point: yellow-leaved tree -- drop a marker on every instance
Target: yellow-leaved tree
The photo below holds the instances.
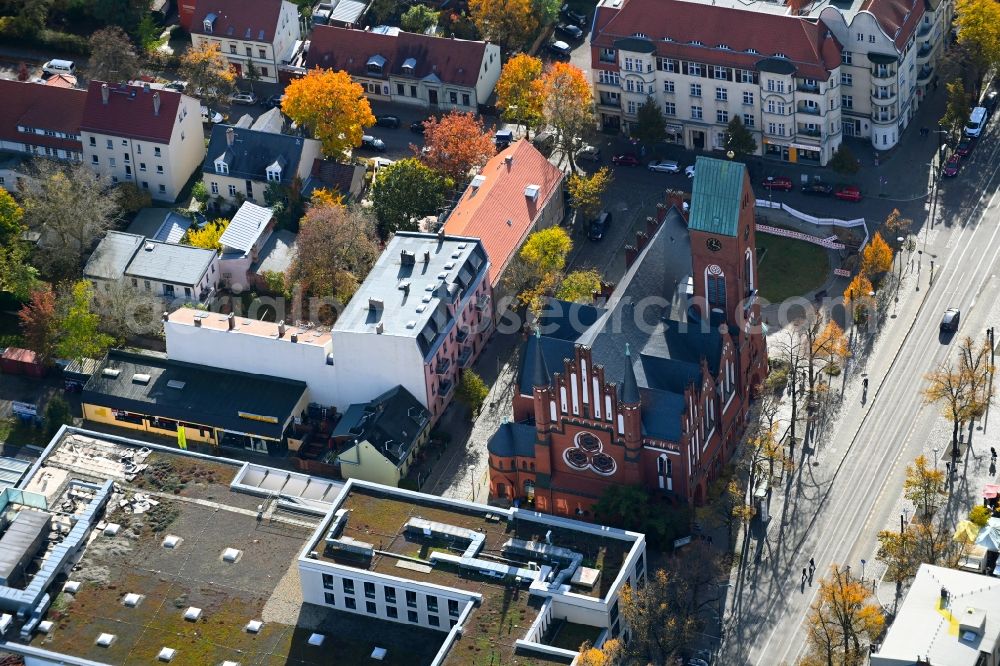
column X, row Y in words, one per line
column 332, row 107
column 207, row 70
column 842, row 622
column 857, row 297
column 519, row 91
column 541, row 261
column 585, row 191
column 876, row 258
column 569, row 105
column 208, row 236
column 322, row 196
column 508, row 23
column 978, row 23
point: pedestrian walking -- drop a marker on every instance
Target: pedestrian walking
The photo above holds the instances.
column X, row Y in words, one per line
column 812, row 564
column 864, row 384
column 804, row 574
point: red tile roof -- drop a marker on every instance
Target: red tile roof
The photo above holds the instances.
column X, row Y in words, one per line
column 247, row 20
column 62, row 81
column 808, row 44
column 129, row 112
column 41, row 107
column 498, row 212
column 455, row 61
column 899, row 18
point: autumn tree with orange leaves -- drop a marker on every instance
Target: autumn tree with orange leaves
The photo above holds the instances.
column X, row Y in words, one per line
column 876, row 258
column 508, row 23
column 205, row 68
column 519, row 91
column 455, row 144
column 332, row 107
column 857, row 297
column 842, row 622
column 569, row 105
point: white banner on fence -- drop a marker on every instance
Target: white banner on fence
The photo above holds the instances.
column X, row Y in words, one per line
column 859, row 222
column 829, row 243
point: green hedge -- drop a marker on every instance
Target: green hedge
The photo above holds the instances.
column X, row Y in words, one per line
column 54, row 40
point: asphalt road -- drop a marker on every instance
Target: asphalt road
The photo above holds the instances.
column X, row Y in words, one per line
column 838, row 500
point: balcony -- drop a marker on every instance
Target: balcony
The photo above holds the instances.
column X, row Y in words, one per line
column 609, row 102
column 883, row 118
column 443, row 366
column 883, row 73
column 924, row 29
column 465, row 357
column 483, row 303
column 462, row 335
column 884, row 98
column 804, row 131
column 444, row 388
column 925, row 73
column 812, row 88
column 810, row 110
column 924, row 53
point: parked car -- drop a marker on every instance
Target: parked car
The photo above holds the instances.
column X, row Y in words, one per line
column 570, row 30
column 848, row 193
column 599, row 227
column 626, row 159
column 990, row 101
column 274, row 101
column 210, row 116
column 560, row 49
column 950, row 168
column 778, row 183
column 588, row 153
column 245, row 98
column 387, row 121
column 178, row 86
column 664, row 166
column 573, row 15
column 964, row 147
column 818, row 188
column 371, row 143
column 503, row 138
column 417, row 127
column 689, row 171
column 950, row 320
column 545, row 141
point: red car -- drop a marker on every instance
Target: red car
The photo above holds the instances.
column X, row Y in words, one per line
column 626, row 159
column 950, row 169
column 778, row 183
column 848, row 193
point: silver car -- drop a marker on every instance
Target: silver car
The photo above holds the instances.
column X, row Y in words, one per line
column 664, row 166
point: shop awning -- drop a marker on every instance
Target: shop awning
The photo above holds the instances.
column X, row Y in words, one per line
column 990, row 491
column 966, row 532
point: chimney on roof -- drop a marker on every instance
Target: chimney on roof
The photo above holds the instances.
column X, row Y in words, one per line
column 156, row 104
column 427, row 257
column 295, row 337
column 145, row 87
column 231, row 320
column 105, row 93
column 230, row 136
column 197, row 322
column 281, row 329
column 165, row 316
column 509, row 160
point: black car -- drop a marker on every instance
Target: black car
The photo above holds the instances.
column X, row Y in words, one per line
column 503, row 138
column 950, row 320
column 560, row 49
column 599, row 227
column 387, row 121
column 818, row 188
column 990, row 102
column 418, row 127
column 570, row 30
column 274, row 101
column 573, row 15
column 371, row 143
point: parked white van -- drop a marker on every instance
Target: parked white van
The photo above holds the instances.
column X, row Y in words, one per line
column 977, row 119
column 59, row 67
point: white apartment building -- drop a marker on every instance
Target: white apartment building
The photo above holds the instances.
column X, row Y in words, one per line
column 261, row 32
column 152, row 138
column 780, row 75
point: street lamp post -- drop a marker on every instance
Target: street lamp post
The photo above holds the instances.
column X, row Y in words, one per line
column 935, row 458
column 900, row 240
column 472, row 480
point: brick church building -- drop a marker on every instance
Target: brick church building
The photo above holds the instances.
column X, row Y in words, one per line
column 653, row 386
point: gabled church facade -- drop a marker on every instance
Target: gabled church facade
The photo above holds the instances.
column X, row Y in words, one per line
column 653, row 387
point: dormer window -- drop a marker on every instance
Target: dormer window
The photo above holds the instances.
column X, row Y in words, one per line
column 409, row 66
column 696, row 42
column 208, row 23
column 780, row 55
column 221, row 166
column 274, row 174
column 752, row 51
column 724, row 47
column 375, row 64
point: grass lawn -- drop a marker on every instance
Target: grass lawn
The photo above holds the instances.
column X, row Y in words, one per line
column 789, row 267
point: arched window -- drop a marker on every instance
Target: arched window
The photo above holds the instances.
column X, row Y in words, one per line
column 748, row 271
column 532, row 466
column 715, row 287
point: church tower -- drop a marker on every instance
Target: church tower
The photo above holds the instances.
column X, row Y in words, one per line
column 724, row 260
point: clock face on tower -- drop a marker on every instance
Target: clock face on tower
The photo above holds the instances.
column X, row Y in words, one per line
column 714, row 244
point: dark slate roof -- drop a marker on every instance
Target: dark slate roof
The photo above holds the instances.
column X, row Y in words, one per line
column 392, row 423
column 539, row 371
column 715, row 198
column 630, row 388
column 173, row 264
column 160, row 224
column 252, row 152
column 649, row 313
column 112, row 255
column 209, row 396
column 513, row 439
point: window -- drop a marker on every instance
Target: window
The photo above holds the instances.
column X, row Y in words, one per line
column 187, row 291
column 126, row 157
column 413, row 91
column 846, row 57
column 390, row 594
column 135, row 284
column 846, row 79
column 350, row 603
column 370, row 590
column 215, row 188
column 777, row 108
column 163, row 188
column 721, row 94
column 861, row 36
column 138, row 149
column 668, row 86
column 145, row 283
column 348, row 586
column 432, row 603
column 392, row 612
column 109, row 144
column 263, row 71
column 327, row 578
column 159, row 169
column 607, row 55
column 274, row 175
column 693, row 69
column 629, row 64
column 262, row 53
column 93, row 141
column 847, row 101
column 401, row 90
column 695, row 90
column 608, row 78
column 433, row 620
column 412, row 616
column 748, row 98
column 720, row 73
column 232, row 49
column 466, row 101
column 748, row 119
column 772, row 128
column 112, row 162
column 453, row 97
column 721, row 116
column 871, row 39
column 249, row 52
column 232, row 191
column 93, row 159
column 630, row 107
column 411, row 599
column 716, row 291
column 370, row 607
column 142, row 166
column 746, row 76
column 453, row 607
column 669, row 109
column 696, row 112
